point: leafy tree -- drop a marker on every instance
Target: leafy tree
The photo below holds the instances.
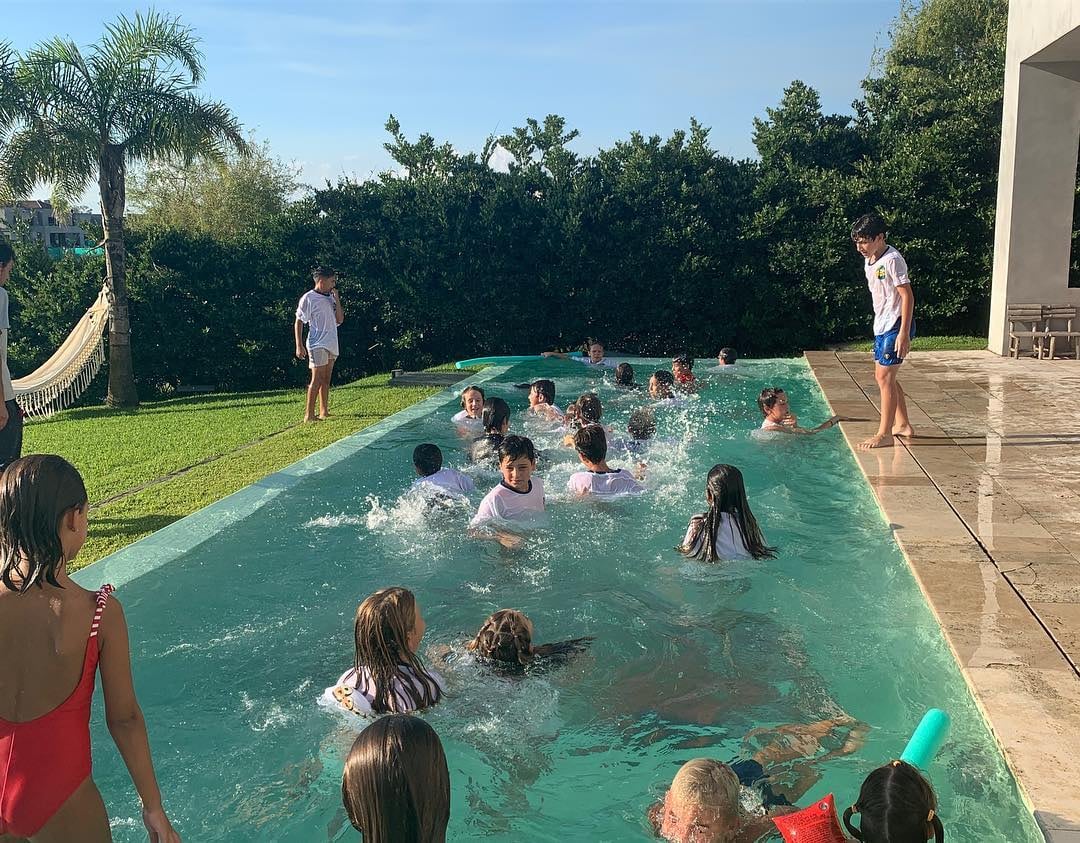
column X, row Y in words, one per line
column 229, row 196
column 68, row 117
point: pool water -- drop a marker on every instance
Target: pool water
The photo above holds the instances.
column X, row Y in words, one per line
column 234, row 639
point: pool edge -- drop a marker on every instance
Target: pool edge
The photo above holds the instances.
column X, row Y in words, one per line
column 165, row 545
column 1012, row 667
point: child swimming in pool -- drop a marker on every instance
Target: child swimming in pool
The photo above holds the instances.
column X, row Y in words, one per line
column 431, row 476
column 773, row 402
column 506, row 640
column 56, row 637
column 895, row 805
column 496, row 421
column 728, row 530
column 396, row 785
column 518, row 497
column 542, row 400
column 388, row 674
column 641, row 428
column 704, row 802
column 661, row 385
column 682, row 370
column 599, row 479
column 589, row 410
column 726, row 359
column 594, row 356
column 472, row 405
column 624, row 376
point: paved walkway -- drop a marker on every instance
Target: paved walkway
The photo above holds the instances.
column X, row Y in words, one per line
column 985, row 503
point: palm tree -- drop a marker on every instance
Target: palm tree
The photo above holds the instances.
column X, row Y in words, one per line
column 66, row 117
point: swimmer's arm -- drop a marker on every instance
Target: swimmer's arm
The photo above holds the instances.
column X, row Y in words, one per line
column 655, row 816
column 123, row 715
column 574, row 645
column 509, row 541
column 562, row 355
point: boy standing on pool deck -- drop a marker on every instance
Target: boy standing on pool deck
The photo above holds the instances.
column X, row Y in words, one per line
column 894, row 324
column 320, row 309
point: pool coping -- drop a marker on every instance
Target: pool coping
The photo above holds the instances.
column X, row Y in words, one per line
column 1026, row 689
column 170, row 542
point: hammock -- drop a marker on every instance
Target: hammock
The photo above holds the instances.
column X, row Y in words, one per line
column 60, row 380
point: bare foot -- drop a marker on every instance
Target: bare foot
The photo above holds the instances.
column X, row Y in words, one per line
column 907, row 431
column 324, row 417
column 310, row 419
column 878, row 440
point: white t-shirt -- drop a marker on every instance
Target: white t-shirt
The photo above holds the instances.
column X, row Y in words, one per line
column 729, row 542
column 587, row 361
column 447, row 480
column 505, row 504
column 883, row 276
column 463, row 419
column 618, row 481
column 318, row 312
column 5, row 374
column 363, row 690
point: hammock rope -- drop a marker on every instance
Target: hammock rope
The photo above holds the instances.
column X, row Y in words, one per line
column 60, row 380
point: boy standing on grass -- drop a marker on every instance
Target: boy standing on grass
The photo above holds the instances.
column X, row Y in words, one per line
column 894, row 324
column 320, row 309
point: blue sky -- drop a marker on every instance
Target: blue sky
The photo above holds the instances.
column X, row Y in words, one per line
column 318, row 79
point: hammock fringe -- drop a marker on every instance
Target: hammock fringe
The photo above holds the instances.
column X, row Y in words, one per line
column 58, row 383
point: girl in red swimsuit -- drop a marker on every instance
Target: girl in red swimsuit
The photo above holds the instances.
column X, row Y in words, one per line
column 54, row 635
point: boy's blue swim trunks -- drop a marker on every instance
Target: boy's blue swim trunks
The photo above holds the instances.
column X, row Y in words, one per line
column 885, row 345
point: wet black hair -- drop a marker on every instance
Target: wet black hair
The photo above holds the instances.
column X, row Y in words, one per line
column 515, row 447
column 496, row 412
column 684, row 358
column 728, row 355
column 896, row 805
column 427, row 458
column 767, row 399
column 591, row 443
column 470, row 388
column 642, row 423
column 869, row 225
column 624, row 374
column 590, row 408
column 664, row 376
column 36, row 492
column 546, row 388
column 727, row 494
column 7, row 253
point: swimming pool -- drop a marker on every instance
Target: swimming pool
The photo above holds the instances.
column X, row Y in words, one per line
column 241, row 615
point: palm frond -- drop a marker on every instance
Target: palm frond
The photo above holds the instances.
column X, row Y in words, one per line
column 133, row 46
column 10, row 96
column 55, row 77
column 186, row 127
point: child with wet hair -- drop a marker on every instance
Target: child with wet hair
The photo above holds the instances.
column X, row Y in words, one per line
column 728, row 529
column 727, row 358
column 496, row 421
column 388, row 674
column 682, row 370
column 624, row 376
column 896, row 804
column 774, row 406
column 661, row 384
column 641, row 428
column 519, row 497
column 472, row 405
column 542, row 400
column 432, row 477
column 589, row 412
column 599, row 479
column 506, row 639
column 396, row 784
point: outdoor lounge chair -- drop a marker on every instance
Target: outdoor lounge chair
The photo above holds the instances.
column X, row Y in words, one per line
column 1029, row 316
column 1061, row 313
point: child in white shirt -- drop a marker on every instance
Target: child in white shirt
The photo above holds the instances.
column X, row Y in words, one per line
column 432, row 477
column 595, row 357
column 599, row 478
column 728, row 530
column 517, row 498
column 472, row 405
column 773, row 402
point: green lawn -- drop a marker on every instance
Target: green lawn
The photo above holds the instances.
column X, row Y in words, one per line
column 926, row 344
column 213, row 445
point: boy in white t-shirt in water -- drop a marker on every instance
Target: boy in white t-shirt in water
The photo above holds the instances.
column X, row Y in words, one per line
column 517, row 498
column 427, row 460
column 894, row 324
column 320, row 309
column 542, row 400
column 599, row 479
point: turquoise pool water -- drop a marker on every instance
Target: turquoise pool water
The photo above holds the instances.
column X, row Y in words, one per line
column 234, row 638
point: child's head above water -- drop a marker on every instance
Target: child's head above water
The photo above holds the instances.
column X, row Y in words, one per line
column 624, row 375
column 773, row 402
column 541, row 392
column 896, row 805
column 43, row 508
column 427, row 459
column 702, row 804
column 387, row 632
column 496, row 416
column 505, row 637
column 591, row 444
column 595, row 350
column 682, row 365
column 660, row 384
column 727, row 356
column 396, row 785
column 590, row 409
column 725, row 492
column 472, row 401
column 517, row 462
column 642, row 423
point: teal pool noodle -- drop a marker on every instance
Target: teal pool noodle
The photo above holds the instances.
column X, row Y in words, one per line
column 502, row 361
column 927, row 739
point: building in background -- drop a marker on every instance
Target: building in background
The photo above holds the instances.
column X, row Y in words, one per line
column 54, row 231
